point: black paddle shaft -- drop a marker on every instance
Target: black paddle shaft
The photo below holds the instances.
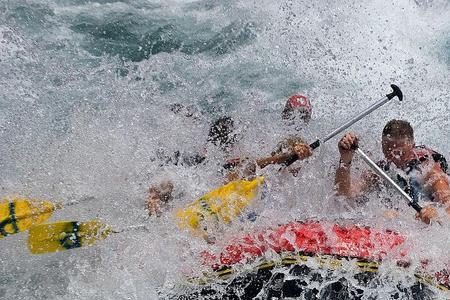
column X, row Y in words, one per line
column 395, row 93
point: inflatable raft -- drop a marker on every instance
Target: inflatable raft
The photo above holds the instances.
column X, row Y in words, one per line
column 315, row 260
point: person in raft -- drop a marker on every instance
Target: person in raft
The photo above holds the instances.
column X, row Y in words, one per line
column 221, row 134
column 297, row 111
column 419, row 170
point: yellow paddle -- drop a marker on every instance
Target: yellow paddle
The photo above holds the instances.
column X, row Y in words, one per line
column 19, row 214
column 66, row 235
column 60, row 236
column 222, row 205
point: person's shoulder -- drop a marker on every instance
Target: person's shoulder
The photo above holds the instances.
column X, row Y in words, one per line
column 423, row 151
column 430, row 159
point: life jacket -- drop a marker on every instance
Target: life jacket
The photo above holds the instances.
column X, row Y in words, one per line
column 424, row 154
column 411, row 184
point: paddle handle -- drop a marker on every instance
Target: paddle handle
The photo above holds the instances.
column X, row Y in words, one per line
column 131, row 228
column 315, row 145
column 416, row 206
column 395, row 93
column 382, row 174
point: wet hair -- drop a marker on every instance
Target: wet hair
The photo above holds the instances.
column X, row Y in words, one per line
column 221, row 132
column 398, row 129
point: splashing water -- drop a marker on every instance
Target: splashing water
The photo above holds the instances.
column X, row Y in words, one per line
column 86, row 89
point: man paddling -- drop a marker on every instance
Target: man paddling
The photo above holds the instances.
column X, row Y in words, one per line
column 297, row 111
column 419, row 170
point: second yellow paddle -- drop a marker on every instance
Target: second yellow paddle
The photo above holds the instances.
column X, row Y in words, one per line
column 66, row 235
column 60, row 236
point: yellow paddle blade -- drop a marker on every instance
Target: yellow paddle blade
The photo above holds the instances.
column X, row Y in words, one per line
column 222, row 205
column 19, row 214
column 60, row 236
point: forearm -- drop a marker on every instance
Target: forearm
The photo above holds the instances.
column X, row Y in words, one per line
column 245, row 170
column 342, row 180
column 442, row 196
column 439, row 186
column 275, row 159
column 441, row 190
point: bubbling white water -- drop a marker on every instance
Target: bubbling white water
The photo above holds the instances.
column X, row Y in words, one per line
column 76, row 124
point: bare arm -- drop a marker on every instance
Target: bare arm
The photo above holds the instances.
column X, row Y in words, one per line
column 343, row 181
column 348, row 187
column 437, row 180
column 300, row 150
column 274, row 159
column 243, row 168
column 439, row 184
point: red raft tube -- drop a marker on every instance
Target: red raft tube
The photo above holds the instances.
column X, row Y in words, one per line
column 313, row 238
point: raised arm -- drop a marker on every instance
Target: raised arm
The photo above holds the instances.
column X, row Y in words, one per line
column 345, row 184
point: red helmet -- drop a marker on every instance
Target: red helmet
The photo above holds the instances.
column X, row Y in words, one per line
column 298, row 104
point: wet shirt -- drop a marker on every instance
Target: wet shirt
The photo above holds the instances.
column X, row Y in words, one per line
column 412, row 178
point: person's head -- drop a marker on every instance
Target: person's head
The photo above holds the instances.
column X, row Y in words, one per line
column 297, row 107
column 398, row 142
column 221, row 133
